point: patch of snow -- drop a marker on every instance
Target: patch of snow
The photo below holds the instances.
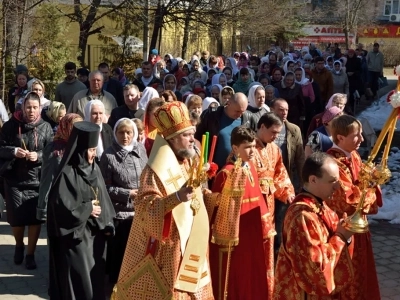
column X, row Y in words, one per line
column 391, row 191
column 378, row 113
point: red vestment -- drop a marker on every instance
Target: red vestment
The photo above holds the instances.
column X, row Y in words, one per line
column 275, row 184
column 247, row 269
column 313, row 263
column 345, row 200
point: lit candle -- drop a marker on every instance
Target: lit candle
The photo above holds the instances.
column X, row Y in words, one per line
column 213, row 145
column 206, row 148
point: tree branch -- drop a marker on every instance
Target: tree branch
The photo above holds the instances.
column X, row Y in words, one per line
column 97, row 30
column 109, row 11
column 34, row 5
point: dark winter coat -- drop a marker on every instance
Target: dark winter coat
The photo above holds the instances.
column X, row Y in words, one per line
column 211, row 118
column 22, row 180
column 139, row 83
column 353, row 65
column 116, row 89
column 294, row 97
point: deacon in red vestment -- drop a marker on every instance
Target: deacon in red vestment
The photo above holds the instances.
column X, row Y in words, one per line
column 346, row 133
column 274, row 179
column 314, row 260
column 240, row 225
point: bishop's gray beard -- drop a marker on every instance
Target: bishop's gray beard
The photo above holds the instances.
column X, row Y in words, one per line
column 186, row 153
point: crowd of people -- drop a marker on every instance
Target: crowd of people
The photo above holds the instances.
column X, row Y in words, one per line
column 118, row 170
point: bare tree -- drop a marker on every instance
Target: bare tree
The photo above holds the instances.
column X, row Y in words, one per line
column 349, row 14
column 16, row 19
column 87, row 15
column 276, row 19
column 352, row 13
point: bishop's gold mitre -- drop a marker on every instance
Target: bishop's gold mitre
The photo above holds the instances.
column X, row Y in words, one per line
column 172, row 119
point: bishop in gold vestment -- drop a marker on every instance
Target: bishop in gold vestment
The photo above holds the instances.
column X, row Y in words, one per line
column 165, row 228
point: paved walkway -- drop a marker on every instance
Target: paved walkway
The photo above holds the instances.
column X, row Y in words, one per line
column 17, row 283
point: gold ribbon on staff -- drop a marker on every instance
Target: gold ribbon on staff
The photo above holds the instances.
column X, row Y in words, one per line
column 372, row 174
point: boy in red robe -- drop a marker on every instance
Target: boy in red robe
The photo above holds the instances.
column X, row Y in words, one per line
column 240, row 225
column 273, row 177
column 314, row 260
column 346, row 134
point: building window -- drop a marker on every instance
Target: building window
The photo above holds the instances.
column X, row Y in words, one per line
column 388, row 8
column 395, row 7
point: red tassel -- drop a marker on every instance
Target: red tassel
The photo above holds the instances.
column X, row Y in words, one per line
column 390, row 95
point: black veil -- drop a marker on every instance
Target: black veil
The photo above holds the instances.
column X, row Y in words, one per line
column 75, row 185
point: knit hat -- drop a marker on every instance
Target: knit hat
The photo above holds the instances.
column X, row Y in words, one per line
column 154, row 51
column 330, row 114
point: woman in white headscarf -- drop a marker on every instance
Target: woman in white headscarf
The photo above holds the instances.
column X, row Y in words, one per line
column 308, row 94
column 121, row 166
column 288, row 66
column 196, row 66
column 306, row 86
column 148, row 94
column 94, row 113
column 257, row 104
column 209, row 102
column 340, row 79
column 160, row 65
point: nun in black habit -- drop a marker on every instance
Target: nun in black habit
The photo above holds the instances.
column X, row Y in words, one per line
column 80, row 218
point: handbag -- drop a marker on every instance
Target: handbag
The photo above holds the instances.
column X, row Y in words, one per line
column 382, row 82
column 5, row 165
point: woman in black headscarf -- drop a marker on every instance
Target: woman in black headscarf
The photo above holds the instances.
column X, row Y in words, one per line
column 80, row 217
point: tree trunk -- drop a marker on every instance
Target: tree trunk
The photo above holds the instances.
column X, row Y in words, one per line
column 12, row 16
column 185, row 35
column 159, row 16
column 346, row 36
column 83, row 39
column 146, row 31
column 21, row 32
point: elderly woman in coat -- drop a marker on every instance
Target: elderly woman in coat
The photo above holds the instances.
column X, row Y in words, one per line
column 121, row 165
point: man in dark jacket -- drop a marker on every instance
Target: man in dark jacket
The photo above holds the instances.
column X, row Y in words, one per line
column 290, row 142
column 111, row 85
column 129, row 108
column 324, row 78
column 147, row 78
column 220, row 122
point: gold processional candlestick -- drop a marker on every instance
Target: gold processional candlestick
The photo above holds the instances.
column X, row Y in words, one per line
column 372, row 174
column 202, row 169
